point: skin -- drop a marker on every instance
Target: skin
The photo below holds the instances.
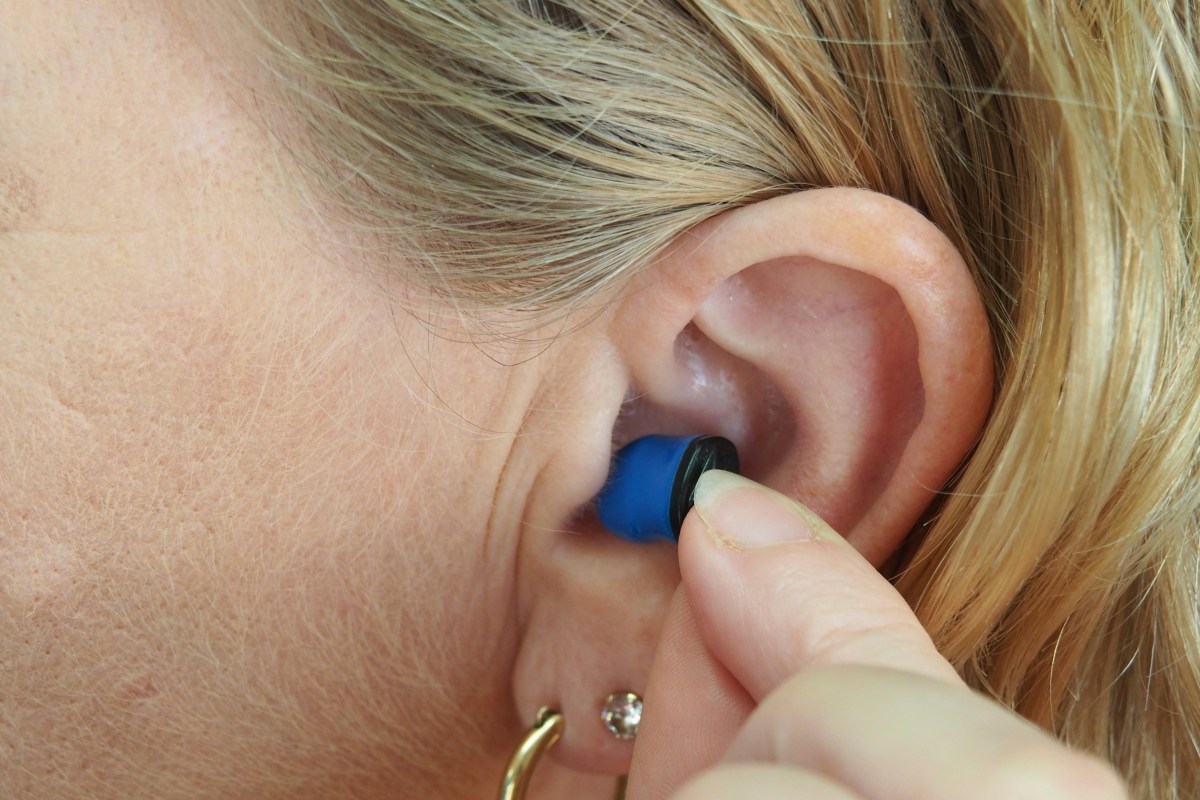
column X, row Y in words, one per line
column 216, row 569
column 807, row 674
column 264, row 533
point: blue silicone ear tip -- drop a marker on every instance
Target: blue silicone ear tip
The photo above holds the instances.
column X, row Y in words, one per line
column 652, row 483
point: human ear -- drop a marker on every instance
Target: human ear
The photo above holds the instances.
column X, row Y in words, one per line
column 837, row 337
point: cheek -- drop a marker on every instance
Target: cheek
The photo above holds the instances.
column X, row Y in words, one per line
column 235, row 521
column 232, row 525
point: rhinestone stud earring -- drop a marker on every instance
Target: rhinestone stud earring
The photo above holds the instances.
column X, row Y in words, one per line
column 621, row 714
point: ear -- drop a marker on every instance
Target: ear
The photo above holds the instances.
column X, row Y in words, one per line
column 837, row 337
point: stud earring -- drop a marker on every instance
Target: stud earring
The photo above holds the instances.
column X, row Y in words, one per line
column 622, row 714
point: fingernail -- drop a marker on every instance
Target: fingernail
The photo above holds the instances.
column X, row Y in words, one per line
column 743, row 514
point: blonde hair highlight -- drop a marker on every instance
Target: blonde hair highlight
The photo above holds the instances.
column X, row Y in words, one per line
column 531, row 155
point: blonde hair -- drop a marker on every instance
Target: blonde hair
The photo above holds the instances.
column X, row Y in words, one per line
column 532, row 154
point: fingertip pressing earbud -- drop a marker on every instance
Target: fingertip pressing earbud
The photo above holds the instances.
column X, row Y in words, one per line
column 652, row 483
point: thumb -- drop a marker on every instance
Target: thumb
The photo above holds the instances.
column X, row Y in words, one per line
column 774, row 590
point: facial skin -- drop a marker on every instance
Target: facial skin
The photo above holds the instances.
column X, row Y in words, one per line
column 255, row 521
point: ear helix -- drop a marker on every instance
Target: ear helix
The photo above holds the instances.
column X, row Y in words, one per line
column 652, row 483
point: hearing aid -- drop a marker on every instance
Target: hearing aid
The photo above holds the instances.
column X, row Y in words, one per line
column 652, row 483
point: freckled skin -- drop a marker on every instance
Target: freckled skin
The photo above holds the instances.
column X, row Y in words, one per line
column 241, row 553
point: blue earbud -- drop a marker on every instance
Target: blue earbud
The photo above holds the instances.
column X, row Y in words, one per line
column 652, row 482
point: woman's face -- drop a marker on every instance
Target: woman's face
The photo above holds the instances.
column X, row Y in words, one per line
column 246, row 501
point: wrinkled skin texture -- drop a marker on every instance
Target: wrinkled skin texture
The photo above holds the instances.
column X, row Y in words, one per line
column 240, row 551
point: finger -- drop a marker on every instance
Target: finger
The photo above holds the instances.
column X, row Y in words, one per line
column 693, row 708
column 851, row 686
column 889, row 734
column 762, row 782
column 775, row 590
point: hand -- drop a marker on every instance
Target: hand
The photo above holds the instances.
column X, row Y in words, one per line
column 791, row 665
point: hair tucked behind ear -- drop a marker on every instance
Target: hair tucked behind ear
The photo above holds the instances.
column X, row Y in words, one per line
column 532, row 154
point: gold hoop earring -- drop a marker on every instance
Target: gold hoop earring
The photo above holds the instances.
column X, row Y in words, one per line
column 547, row 729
